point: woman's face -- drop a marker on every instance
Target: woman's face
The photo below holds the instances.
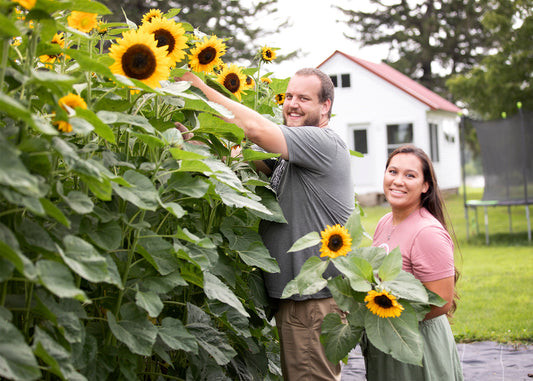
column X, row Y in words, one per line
column 403, row 183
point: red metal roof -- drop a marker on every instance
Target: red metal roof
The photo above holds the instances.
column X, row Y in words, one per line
column 403, row 82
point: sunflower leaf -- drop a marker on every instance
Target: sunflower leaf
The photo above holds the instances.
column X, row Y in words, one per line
column 338, row 338
column 309, row 281
column 308, row 240
column 391, row 266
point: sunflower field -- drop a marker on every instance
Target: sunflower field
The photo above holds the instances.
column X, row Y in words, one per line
column 126, row 251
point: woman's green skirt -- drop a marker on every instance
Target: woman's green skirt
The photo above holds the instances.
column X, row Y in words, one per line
column 440, row 362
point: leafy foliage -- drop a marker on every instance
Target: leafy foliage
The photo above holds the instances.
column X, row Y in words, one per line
column 125, row 251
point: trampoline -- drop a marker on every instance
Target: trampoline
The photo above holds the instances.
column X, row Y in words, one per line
column 507, row 161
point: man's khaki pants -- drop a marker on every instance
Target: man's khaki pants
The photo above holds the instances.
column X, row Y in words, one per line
column 302, row 355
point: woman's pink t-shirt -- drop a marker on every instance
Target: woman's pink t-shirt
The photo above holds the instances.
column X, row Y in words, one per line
column 426, row 247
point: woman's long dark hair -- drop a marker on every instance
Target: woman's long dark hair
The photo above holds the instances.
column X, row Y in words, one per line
column 432, row 200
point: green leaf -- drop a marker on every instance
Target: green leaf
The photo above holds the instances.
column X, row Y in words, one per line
column 212, row 124
column 58, row 279
column 391, row 266
column 213, row 342
column 358, row 271
column 89, row 7
column 100, row 128
column 35, row 235
column 14, row 174
column 84, row 260
column 55, row 356
column 214, row 288
column 269, row 200
column 134, row 330
column 142, row 192
column 347, row 299
column 257, row 255
column 7, row 27
column 355, row 228
column 309, row 240
column 180, row 154
column 175, row 209
column 53, row 211
column 406, row 286
column 79, row 202
column 159, row 252
column 309, row 280
column 175, row 335
column 10, row 250
column 188, row 184
column 338, row 338
column 16, row 357
column 231, row 197
column 106, row 235
column 72, row 159
column 373, row 255
column 253, row 155
column 15, row 109
column 150, row 302
column 110, row 117
column 397, row 336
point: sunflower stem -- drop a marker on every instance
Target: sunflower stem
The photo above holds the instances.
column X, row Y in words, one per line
column 5, row 54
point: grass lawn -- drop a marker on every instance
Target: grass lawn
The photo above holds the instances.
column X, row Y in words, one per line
column 496, row 284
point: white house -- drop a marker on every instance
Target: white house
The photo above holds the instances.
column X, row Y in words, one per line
column 377, row 109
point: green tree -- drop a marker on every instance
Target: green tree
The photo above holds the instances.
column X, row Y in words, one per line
column 432, row 39
column 504, row 78
column 219, row 17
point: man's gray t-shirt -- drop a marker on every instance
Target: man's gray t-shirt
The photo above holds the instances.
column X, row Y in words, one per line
column 315, row 190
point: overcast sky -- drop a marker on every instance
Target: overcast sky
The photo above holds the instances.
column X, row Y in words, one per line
column 316, row 32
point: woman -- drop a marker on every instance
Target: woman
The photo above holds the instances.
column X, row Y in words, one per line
column 417, row 225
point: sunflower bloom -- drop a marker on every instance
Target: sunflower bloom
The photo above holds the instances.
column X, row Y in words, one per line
column 69, row 101
column 268, row 54
column 336, row 241
column 168, row 34
column 27, row 4
column 249, row 83
column 83, row 21
column 383, row 304
column 280, row 98
column 50, row 59
column 266, row 80
column 206, row 54
column 151, row 14
column 233, row 79
column 137, row 56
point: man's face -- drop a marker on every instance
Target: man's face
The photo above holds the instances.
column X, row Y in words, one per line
column 302, row 106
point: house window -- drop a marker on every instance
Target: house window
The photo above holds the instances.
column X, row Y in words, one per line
column 359, row 141
column 345, row 80
column 398, row 135
column 334, row 80
column 434, row 142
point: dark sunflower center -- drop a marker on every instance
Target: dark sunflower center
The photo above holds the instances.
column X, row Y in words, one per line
column 383, row 301
column 335, row 242
column 268, row 54
column 232, row 82
column 165, row 38
column 248, row 80
column 207, row 55
column 139, row 62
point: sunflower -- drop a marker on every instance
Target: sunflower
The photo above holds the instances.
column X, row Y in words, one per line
column 83, row 21
column 266, row 80
column 28, row 4
column 206, row 54
column 336, row 241
column 137, row 56
column 233, row 79
column 383, row 304
column 168, row 34
column 268, row 54
column 151, row 14
column 280, row 98
column 249, row 83
column 69, row 101
column 51, row 58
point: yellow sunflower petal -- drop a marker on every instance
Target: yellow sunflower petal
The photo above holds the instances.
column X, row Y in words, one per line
column 152, row 13
column 268, row 54
column 336, row 241
column 83, row 21
column 28, row 4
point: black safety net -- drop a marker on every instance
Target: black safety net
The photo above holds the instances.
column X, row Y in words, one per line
column 507, row 157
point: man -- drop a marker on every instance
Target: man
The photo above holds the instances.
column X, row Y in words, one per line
column 314, row 188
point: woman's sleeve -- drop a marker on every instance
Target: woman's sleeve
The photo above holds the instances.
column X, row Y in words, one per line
column 432, row 254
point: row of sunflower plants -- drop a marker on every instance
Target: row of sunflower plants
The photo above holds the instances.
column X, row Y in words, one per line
column 127, row 252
